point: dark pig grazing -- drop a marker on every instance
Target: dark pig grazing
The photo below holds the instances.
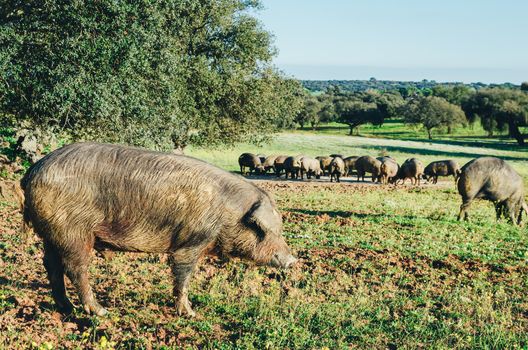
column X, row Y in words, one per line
column 278, row 164
column 269, row 163
column 368, row 164
column 412, row 169
column 350, row 164
column 337, row 169
column 292, row 166
column 310, row 167
column 388, row 170
column 324, row 162
column 441, row 168
column 495, row 180
column 88, row 195
column 250, row 161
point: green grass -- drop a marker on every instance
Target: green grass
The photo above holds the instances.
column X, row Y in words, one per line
column 320, row 143
column 379, row 267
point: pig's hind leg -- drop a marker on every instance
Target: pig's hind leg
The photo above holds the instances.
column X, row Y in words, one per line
column 463, row 214
column 55, row 269
column 76, row 260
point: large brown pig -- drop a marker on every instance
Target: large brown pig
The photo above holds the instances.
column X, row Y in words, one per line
column 412, row 169
column 310, row 167
column 88, row 195
column 350, row 164
column 368, row 164
column 337, row 169
column 441, row 168
column 324, row 162
column 250, row 161
column 292, row 166
column 495, row 180
column 388, row 170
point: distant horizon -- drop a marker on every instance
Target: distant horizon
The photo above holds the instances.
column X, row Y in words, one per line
column 410, row 40
column 457, row 75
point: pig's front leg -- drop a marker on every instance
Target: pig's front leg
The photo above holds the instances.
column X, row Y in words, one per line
column 182, row 264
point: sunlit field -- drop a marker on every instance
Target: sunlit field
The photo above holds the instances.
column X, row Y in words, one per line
column 379, row 267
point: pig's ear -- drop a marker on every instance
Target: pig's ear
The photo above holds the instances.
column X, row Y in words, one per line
column 264, row 217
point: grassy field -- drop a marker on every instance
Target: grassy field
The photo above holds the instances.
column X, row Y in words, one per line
column 379, row 267
column 460, row 147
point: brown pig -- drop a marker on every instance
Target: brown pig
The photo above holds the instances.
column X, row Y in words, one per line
column 441, row 168
column 250, row 161
column 368, row 164
column 278, row 164
column 269, row 163
column 310, row 167
column 337, row 169
column 350, row 164
column 324, row 162
column 89, row 195
column 292, row 166
column 412, row 169
column 388, row 170
column 495, row 180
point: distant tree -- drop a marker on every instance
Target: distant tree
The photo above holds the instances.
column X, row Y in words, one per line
column 369, row 107
column 149, row 73
column 309, row 113
column 357, row 112
column 327, row 112
column 524, row 86
column 388, row 102
column 432, row 112
column 456, row 94
column 498, row 109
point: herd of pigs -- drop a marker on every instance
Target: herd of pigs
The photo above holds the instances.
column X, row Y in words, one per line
column 487, row 177
column 383, row 169
column 88, row 196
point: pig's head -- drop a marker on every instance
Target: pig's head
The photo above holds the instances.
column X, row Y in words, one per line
column 258, row 236
column 260, row 169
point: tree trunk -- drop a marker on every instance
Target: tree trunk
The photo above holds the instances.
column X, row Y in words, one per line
column 449, row 129
column 515, row 132
column 351, row 126
column 429, row 134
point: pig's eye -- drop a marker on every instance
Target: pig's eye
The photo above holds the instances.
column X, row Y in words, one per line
column 259, row 232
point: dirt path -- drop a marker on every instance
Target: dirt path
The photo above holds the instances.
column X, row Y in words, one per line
column 271, row 182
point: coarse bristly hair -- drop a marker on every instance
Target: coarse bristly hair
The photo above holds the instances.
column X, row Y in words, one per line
column 135, row 200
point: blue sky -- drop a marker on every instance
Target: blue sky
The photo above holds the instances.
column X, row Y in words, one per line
column 443, row 40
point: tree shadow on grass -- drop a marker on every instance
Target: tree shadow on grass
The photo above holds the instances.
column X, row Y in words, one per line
column 470, row 141
column 441, row 153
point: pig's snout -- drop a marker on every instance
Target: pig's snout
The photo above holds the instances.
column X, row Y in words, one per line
column 283, row 260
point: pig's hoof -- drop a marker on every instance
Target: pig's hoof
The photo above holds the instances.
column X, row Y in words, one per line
column 184, row 309
column 96, row 309
column 101, row 312
column 65, row 307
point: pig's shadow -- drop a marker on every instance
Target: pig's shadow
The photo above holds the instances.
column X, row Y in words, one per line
column 349, row 214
